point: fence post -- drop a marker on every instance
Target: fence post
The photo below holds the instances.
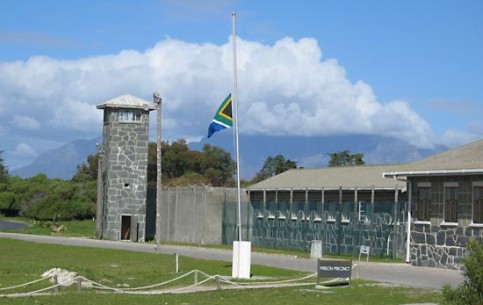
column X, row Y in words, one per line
column 218, row 284
column 394, row 217
column 79, row 284
column 56, row 282
column 339, row 221
column 355, row 224
column 372, row 232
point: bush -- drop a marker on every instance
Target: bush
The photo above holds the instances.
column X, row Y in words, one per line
column 470, row 292
column 42, row 198
column 7, row 201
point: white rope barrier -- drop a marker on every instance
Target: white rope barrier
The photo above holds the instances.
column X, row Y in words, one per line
column 174, row 290
column 32, row 293
column 163, row 283
column 23, row 285
column 281, row 281
column 147, row 289
column 42, row 290
column 100, row 286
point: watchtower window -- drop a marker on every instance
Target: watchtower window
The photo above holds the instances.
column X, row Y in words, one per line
column 129, row 116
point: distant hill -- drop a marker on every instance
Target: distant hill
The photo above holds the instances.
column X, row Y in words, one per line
column 309, row 152
column 61, row 162
column 312, row 152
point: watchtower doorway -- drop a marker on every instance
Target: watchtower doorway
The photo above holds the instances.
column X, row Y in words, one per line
column 126, row 227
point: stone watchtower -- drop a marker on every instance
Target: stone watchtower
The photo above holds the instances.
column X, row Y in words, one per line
column 123, row 166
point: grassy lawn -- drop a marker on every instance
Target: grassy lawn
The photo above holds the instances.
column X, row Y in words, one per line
column 84, row 228
column 22, row 262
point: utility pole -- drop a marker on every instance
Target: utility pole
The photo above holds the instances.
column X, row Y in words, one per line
column 158, row 101
column 100, row 193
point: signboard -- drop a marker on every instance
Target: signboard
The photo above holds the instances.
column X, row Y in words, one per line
column 334, row 269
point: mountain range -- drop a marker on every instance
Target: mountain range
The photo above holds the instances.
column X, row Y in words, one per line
column 308, row 152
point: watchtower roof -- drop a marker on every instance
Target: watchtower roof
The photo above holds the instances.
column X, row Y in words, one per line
column 127, row 101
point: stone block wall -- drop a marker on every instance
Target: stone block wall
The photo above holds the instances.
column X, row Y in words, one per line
column 439, row 246
column 124, row 168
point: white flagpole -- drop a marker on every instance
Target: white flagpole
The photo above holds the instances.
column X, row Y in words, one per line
column 241, row 249
column 237, row 149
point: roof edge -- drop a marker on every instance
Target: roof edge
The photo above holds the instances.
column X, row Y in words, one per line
column 128, row 101
column 433, row 172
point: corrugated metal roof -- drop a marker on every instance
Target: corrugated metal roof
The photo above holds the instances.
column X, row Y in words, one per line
column 469, row 156
column 362, row 177
column 127, row 101
column 465, row 157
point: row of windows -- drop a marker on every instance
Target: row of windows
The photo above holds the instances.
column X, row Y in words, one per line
column 331, row 211
column 450, row 204
column 129, row 116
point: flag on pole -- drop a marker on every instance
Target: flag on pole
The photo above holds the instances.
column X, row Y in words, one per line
column 223, row 117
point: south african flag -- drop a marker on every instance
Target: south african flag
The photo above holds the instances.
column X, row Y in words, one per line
column 223, row 117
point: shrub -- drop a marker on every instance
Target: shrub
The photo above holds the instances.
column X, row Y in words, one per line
column 470, row 292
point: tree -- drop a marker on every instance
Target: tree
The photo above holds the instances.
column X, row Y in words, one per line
column 217, row 165
column 3, row 171
column 174, row 159
column 274, row 166
column 345, row 158
column 180, row 165
column 471, row 290
column 87, row 171
column 7, row 197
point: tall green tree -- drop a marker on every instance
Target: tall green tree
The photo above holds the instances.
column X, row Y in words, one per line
column 180, row 165
column 175, row 158
column 217, row 165
column 345, row 158
column 274, row 166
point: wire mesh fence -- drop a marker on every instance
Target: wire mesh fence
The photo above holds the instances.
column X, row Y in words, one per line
column 342, row 227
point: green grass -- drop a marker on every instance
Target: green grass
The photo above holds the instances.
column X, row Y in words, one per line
column 355, row 295
column 74, row 228
column 21, row 262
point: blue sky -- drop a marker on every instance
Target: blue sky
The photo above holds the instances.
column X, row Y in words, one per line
column 409, row 69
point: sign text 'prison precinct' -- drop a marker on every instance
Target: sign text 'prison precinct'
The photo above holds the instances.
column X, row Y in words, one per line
column 334, row 268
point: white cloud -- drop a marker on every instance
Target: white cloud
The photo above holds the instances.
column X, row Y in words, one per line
column 25, row 122
column 302, row 94
column 454, row 138
column 77, row 115
column 23, row 149
column 287, row 88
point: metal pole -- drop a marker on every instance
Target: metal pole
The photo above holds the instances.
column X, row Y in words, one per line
column 177, row 262
column 235, row 100
column 100, row 197
column 395, row 215
column 408, row 233
column 158, row 101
